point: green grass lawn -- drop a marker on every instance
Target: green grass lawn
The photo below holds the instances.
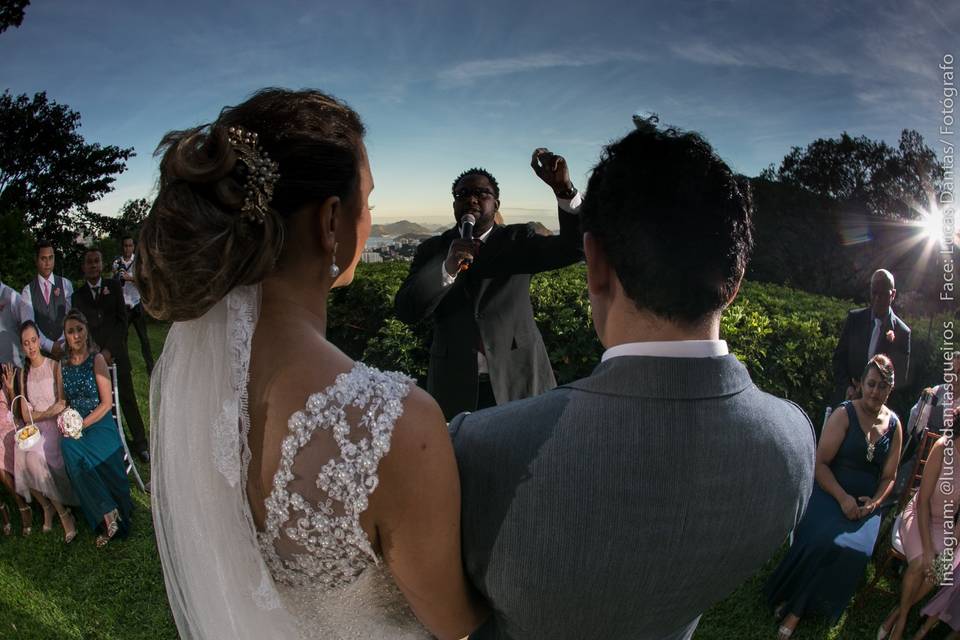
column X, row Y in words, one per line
column 50, row 591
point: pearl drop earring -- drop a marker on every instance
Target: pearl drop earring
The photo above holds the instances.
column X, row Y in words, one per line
column 334, row 269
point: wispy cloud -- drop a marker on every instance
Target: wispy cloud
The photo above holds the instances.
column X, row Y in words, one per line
column 466, row 72
column 797, row 58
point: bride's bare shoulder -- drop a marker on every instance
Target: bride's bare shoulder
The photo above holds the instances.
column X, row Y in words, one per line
column 289, row 364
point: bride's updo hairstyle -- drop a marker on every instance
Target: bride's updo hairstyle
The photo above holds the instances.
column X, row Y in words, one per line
column 195, row 245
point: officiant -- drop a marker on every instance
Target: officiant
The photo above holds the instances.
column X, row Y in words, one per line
column 473, row 281
column 101, row 301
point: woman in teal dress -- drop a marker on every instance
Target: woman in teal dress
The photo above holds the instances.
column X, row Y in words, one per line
column 856, row 467
column 94, row 462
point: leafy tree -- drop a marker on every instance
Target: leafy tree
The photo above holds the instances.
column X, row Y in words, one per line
column 128, row 222
column 866, row 174
column 132, row 214
column 11, row 13
column 49, row 174
column 17, row 263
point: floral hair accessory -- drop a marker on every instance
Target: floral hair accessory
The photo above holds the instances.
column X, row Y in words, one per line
column 259, row 171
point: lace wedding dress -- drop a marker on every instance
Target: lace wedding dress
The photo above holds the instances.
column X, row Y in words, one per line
column 311, row 573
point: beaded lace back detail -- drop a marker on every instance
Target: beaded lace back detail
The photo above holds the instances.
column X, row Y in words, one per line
column 312, row 534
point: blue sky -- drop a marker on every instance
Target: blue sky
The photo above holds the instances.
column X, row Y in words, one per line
column 444, row 86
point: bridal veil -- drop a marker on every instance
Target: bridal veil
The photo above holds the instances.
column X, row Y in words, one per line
column 216, row 580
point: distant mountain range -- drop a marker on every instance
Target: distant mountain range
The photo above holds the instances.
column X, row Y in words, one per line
column 399, row 228
column 419, row 237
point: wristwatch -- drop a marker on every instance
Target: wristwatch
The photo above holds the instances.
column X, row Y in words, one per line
column 566, row 194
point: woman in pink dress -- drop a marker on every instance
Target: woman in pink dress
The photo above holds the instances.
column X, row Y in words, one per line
column 924, row 532
column 39, row 471
column 8, row 445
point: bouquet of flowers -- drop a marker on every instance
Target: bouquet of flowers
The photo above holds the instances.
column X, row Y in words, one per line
column 71, row 424
column 942, row 565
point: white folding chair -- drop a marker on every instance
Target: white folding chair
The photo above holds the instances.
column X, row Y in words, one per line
column 127, row 458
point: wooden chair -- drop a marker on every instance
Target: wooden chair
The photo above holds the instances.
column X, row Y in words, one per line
column 894, row 550
column 127, row 458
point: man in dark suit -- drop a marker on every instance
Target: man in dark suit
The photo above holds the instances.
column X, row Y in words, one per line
column 867, row 332
column 625, row 504
column 486, row 347
column 101, row 301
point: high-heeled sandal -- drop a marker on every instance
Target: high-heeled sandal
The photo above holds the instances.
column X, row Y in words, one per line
column 68, row 536
column 784, row 632
column 26, row 523
column 7, row 527
column 111, row 530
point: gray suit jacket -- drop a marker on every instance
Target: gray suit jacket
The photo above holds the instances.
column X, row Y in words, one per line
column 488, row 304
column 625, row 504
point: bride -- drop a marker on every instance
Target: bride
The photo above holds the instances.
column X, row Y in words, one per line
column 296, row 493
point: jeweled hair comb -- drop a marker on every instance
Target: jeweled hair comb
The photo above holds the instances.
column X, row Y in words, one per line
column 260, row 174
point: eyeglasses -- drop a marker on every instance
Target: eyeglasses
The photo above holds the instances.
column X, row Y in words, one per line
column 481, row 192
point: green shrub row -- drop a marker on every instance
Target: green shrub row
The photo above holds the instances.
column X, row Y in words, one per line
column 784, row 336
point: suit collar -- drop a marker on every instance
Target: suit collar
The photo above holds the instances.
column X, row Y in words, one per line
column 890, row 322
column 52, row 280
column 675, row 378
column 454, row 232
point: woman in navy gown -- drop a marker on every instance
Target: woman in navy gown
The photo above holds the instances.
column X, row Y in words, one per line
column 94, row 462
column 855, row 471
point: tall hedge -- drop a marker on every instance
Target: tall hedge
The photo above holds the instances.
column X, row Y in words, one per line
column 784, row 336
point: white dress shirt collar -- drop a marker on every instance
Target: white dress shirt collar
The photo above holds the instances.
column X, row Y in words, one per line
column 483, row 237
column 886, row 318
column 669, row 349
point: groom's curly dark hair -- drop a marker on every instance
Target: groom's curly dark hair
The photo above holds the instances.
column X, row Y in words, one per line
column 673, row 219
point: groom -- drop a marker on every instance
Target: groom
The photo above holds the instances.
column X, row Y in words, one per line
column 625, row 504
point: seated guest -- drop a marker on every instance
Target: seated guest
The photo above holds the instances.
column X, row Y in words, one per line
column 945, row 607
column 924, row 532
column 856, row 466
column 39, row 471
column 935, row 398
column 9, row 325
column 926, row 415
column 95, row 460
column 101, row 301
column 8, row 445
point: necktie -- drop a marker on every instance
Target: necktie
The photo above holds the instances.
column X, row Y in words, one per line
column 874, row 338
column 46, row 291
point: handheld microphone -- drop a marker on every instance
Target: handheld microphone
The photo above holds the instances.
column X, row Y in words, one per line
column 466, row 226
column 466, row 233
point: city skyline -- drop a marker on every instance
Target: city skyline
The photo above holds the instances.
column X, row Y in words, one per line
column 443, row 88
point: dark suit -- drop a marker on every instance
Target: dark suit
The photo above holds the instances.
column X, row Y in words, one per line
column 107, row 316
column 489, row 304
column 850, row 356
column 626, row 504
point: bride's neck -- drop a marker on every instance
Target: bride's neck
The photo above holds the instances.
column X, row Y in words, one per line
column 285, row 292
